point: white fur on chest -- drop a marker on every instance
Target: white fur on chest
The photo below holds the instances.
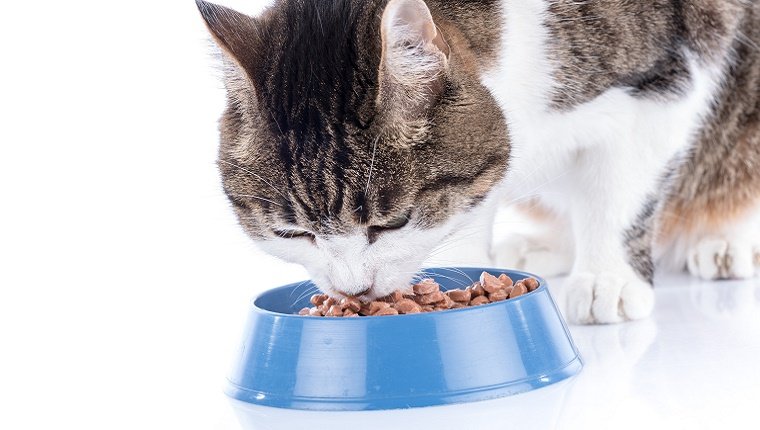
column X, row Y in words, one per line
column 550, row 148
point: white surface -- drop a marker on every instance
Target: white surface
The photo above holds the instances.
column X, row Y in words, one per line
column 124, row 281
column 691, row 366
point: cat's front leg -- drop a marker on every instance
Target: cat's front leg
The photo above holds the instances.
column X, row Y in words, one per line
column 611, row 278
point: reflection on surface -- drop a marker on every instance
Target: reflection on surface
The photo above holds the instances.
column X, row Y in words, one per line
column 611, row 354
column 725, row 300
column 671, row 370
column 537, row 409
column 693, row 357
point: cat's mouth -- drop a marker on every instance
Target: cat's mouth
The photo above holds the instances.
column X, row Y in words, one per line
column 366, row 295
column 368, row 276
column 371, row 293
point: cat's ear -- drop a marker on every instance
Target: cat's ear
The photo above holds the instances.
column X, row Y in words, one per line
column 414, row 60
column 234, row 32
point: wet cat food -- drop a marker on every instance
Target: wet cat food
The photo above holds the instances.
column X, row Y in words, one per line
column 425, row 296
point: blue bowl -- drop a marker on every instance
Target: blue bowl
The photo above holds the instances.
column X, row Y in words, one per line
column 388, row 362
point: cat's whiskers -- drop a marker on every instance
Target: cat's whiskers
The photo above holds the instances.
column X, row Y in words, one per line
column 308, row 291
column 371, row 164
column 300, row 284
column 534, row 191
column 458, row 271
column 536, row 167
column 421, row 274
column 453, row 239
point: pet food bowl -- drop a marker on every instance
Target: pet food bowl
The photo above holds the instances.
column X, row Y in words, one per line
column 401, row 361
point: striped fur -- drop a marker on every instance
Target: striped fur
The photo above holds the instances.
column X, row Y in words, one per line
column 318, row 137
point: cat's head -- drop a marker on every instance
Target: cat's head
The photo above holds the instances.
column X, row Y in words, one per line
column 357, row 136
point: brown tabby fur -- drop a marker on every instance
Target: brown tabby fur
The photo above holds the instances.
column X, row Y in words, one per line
column 303, row 82
column 303, row 131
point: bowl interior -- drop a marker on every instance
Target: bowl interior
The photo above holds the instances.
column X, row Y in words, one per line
column 289, row 299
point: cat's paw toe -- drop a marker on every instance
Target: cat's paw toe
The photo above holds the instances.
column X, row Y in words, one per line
column 720, row 258
column 605, row 298
column 523, row 253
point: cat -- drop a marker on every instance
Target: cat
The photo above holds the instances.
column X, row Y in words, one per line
column 360, row 135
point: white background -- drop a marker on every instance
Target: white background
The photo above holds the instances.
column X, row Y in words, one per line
column 124, row 279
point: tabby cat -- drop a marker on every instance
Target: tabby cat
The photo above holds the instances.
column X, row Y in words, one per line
column 360, row 135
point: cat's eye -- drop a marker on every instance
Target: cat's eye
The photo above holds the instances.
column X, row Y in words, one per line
column 294, row 234
column 394, row 224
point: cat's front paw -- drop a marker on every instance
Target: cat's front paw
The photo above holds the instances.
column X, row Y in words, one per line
column 605, row 298
column 724, row 258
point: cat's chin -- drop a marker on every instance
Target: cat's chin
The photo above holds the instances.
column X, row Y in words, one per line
column 397, row 278
column 347, row 265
